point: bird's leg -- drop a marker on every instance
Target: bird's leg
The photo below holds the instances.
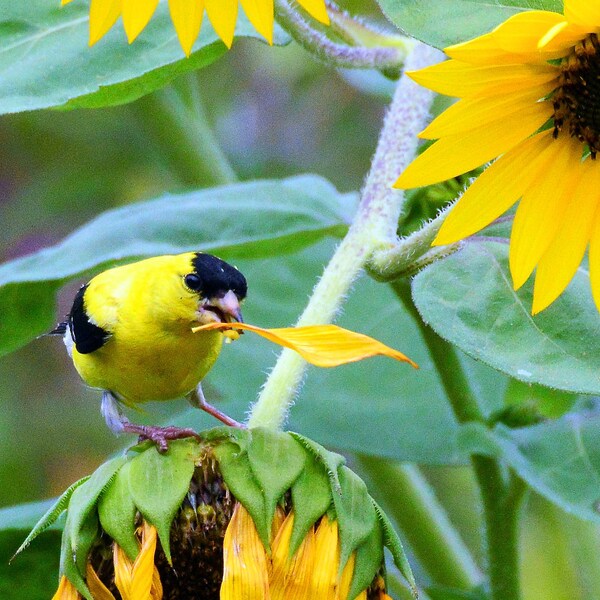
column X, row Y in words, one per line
column 118, row 423
column 196, row 398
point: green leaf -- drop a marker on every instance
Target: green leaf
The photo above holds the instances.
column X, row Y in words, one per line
column 462, row 19
column 228, row 220
column 311, row 498
column 355, row 513
column 117, row 510
column 33, row 575
column 159, row 483
column 468, row 299
column 559, row 459
column 442, row 593
column 276, row 460
column 68, row 564
column 237, row 474
column 394, row 545
column 45, row 60
column 85, row 496
column 369, row 559
column 15, row 518
column 87, row 536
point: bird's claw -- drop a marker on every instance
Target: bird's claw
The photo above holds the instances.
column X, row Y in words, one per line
column 160, row 435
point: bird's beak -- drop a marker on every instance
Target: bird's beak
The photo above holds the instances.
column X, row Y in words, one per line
column 221, row 308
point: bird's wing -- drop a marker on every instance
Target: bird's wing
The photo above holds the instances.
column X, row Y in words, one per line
column 87, row 336
column 60, row 329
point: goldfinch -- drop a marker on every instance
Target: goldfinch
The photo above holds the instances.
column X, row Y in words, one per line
column 129, row 333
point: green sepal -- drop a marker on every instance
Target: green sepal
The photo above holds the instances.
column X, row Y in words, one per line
column 369, row 559
column 159, row 483
column 234, row 434
column 89, row 532
column 276, row 460
column 68, row 565
column 330, row 460
column 355, row 513
column 50, row 516
column 237, row 474
column 311, row 498
column 85, row 496
column 392, row 542
column 117, row 510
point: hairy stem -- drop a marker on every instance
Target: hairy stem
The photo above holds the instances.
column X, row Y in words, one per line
column 374, row 223
column 334, row 54
column 501, row 491
column 406, row 496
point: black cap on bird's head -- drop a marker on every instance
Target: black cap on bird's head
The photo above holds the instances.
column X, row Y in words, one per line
column 220, row 286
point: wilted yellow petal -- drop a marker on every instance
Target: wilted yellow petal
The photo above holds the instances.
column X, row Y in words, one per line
column 66, row 591
column 187, row 19
column 136, row 14
column 261, row 14
column 346, row 580
column 325, row 571
column 103, row 14
column 315, row 8
column 97, row 588
column 223, row 15
column 540, row 212
column 278, row 521
column 245, row 575
column 320, row 345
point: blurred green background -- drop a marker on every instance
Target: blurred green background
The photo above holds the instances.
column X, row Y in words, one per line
column 276, row 112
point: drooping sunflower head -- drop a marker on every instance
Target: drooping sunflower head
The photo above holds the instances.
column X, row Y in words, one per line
column 187, row 17
column 530, row 98
column 244, row 515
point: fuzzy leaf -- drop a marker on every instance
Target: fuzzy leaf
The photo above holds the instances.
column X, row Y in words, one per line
column 159, row 483
column 276, row 460
column 311, row 497
column 117, row 509
column 51, row 515
column 84, row 498
column 355, row 513
column 369, row 559
column 237, row 474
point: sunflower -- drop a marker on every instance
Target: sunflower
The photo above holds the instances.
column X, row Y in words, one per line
column 530, row 94
column 187, row 17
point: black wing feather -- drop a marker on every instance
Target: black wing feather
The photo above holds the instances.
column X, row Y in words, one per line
column 87, row 336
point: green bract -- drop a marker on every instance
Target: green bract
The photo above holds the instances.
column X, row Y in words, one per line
column 262, row 469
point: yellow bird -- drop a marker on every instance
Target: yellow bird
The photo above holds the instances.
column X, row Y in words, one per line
column 129, row 333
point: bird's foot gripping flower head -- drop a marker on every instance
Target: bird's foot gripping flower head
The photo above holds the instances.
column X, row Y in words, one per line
column 187, row 17
column 242, row 515
column 529, row 97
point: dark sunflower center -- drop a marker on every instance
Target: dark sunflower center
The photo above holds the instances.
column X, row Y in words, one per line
column 577, row 98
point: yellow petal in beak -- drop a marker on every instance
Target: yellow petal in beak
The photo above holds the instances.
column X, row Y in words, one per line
column 320, row 345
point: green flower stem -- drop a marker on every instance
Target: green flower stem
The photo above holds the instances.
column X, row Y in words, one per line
column 406, row 495
column 501, row 491
column 179, row 121
column 339, row 55
column 375, row 221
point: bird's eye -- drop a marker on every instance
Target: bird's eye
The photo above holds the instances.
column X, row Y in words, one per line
column 193, row 281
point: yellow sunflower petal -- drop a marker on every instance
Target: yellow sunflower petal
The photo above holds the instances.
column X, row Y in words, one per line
column 320, row 345
column 346, row 580
column 97, row 588
column 494, row 191
column 543, row 205
column 63, row 2
column 559, row 263
column 316, row 9
column 187, row 19
column 103, row 15
column 583, row 12
column 561, row 36
column 136, row 15
column 521, row 32
column 66, row 591
column 483, row 50
column 244, row 560
column 594, row 258
column 325, row 572
column 457, row 78
column 470, row 113
column 223, row 15
column 456, row 154
column 261, row 14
